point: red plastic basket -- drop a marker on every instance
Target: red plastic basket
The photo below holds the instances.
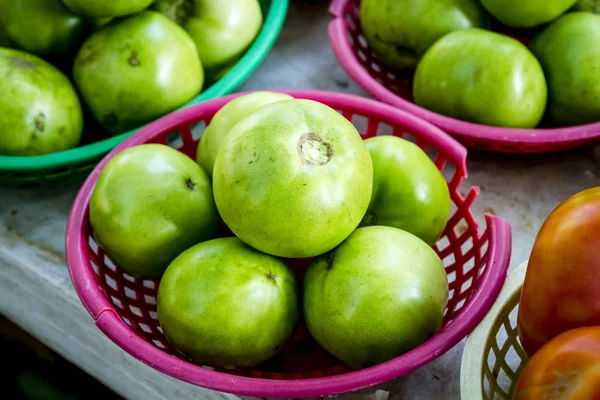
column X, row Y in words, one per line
column 357, row 59
column 124, row 308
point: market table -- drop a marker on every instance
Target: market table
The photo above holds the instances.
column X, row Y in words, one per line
column 36, row 292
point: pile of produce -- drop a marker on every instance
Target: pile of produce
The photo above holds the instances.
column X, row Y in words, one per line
column 462, row 69
column 290, row 179
column 559, row 310
column 125, row 63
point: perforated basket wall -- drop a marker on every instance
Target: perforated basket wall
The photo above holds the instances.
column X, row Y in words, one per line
column 125, row 308
column 74, row 165
column 382, row 82
column 493, row 358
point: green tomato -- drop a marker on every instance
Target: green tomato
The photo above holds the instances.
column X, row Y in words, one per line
column 587, row 5
column 293, row 179
column 224, row 303
column 225, row 119
column 482, row 77
column 526, row 14
column 106, row 8
column 222, row 30
column 40, row 110
column 409, row 192
column 137, row 69
column 40, row 26
column 150, row 203
column 401, row 31
column 64, row 61
column 569, row 53
column 379, row 294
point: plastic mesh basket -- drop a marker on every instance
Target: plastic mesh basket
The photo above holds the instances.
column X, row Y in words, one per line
column 75, row 164
column 493, row 358
column 358, row 60
column 124, row 308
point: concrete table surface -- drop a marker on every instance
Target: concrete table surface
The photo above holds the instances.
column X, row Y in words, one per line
column 36, row 292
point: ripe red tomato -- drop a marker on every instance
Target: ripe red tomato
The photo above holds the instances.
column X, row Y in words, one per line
column 567, row 368
column 562, row 284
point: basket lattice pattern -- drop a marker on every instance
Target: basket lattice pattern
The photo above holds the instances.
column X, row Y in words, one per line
column 463, row 250
column 47, row 178
column 504, row 358
column 399, row 84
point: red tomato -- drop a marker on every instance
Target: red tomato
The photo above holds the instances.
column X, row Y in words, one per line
column 562, row 284
column 567, row 368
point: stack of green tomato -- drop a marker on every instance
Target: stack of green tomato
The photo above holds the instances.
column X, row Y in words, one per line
column 127, row 62
column 463, row 70
column 291, row 179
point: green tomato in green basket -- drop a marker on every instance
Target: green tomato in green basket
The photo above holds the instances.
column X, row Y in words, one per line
column 587, row 5
column 569, row 53
column 224, row 303
column 106, row 8
column 222, row 30
column 293, row 179
column 381, row 293
column 137, row 69
column 40, row 26
column 526, row 14
column 409, row 191
column 225, row 119
column 483, row 77
column 40, row 110
column 401, row 31
column 64, row 61
column 150, row 203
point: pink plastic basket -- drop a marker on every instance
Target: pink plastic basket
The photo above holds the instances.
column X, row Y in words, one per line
column 124, row 308
column 355, row 56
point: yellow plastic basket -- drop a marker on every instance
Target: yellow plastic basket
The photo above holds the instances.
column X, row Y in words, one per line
column 493, row 357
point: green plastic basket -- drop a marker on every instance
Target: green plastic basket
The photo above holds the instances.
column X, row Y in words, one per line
column 75, row 164
column 493, row 358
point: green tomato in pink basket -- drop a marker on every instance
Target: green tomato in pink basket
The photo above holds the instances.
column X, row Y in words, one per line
column 137, row 69
column 381, row 293
column 40, row 111
column 224, row 303
column 40, row 26
column 401, row 31
column 526, row 14
column 106, row 8
column 409, row 192
column 293, row 179
column 150, row 203
column 222, row 30
column 483, row 77
column 569, row 53
column 225, row 119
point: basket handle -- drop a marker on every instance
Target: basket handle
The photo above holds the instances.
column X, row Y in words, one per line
column 336, row 8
